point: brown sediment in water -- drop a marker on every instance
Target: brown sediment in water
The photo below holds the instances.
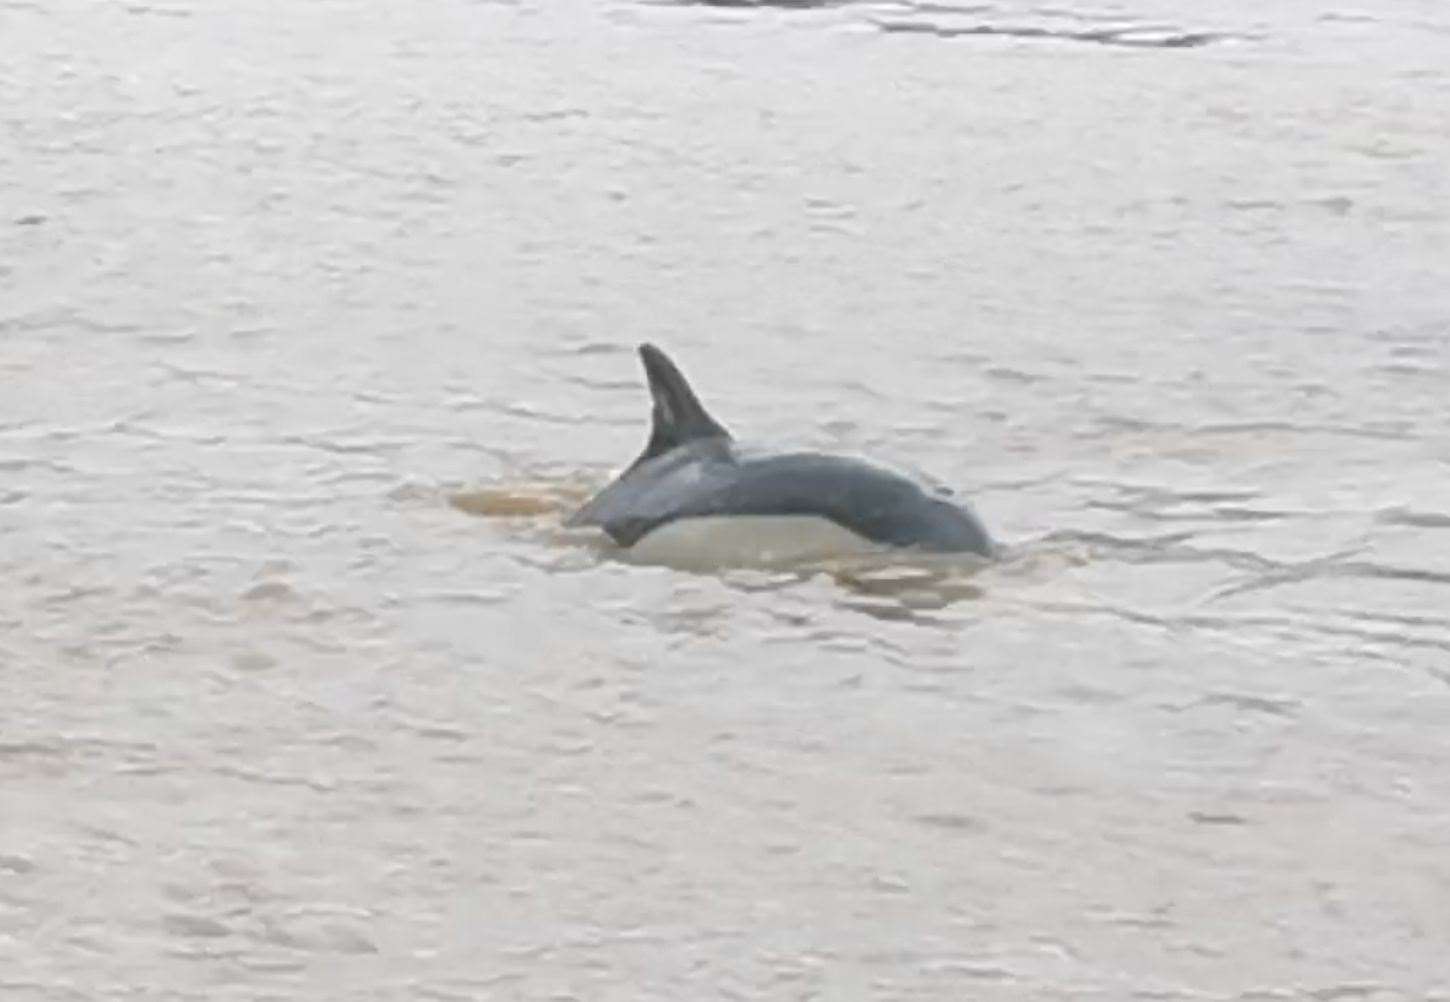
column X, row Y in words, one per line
column 509, row 502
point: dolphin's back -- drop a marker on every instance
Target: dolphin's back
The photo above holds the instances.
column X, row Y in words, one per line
column 711, row 477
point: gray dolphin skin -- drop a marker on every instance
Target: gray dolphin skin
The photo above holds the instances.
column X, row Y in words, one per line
column 693, row 468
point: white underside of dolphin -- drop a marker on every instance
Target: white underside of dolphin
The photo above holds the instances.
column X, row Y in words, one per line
column 749, row 541
column 695, row 497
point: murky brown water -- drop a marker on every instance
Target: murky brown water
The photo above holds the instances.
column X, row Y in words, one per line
column 291, row 294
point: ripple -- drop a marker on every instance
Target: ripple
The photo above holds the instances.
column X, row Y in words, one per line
column 949, row 822
column 1215, row 818
column 1416, row 519
column 1128, row 37
column 372, row 446
column 317, row 935
column 1330, row 567
column 943, row 20
column 780, row 4
column 194, row 925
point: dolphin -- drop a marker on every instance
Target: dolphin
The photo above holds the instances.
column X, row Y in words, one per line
column 696, row 491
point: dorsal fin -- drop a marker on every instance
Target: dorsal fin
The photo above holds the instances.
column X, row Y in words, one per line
column 678, row 416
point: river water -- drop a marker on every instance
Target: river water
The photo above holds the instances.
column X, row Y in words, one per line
column 316, row 317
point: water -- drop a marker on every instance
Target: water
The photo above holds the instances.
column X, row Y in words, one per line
column 314, row 317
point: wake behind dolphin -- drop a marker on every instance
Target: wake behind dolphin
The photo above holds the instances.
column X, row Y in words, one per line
column 695, row 489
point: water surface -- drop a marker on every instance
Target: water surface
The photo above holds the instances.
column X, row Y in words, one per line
column 314, row 317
